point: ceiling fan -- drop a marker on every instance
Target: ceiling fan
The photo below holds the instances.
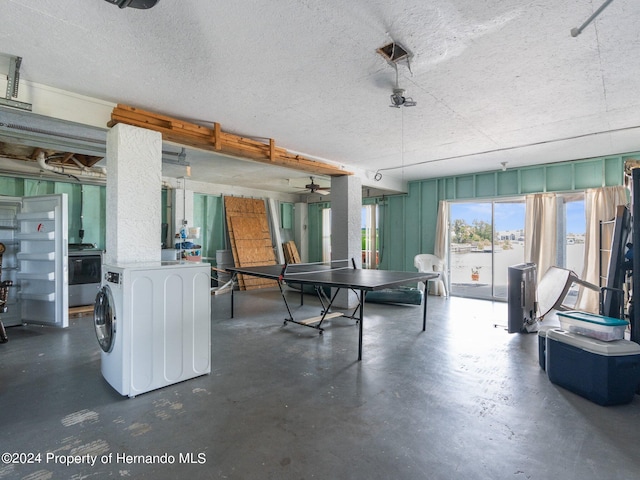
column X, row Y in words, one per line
column 313, row 187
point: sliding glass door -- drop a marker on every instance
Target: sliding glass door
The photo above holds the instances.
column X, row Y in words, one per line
column 486, row 238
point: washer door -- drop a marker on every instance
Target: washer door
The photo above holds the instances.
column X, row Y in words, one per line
column 104, row 319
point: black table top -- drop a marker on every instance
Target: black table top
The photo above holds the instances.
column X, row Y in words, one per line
column 347, row 277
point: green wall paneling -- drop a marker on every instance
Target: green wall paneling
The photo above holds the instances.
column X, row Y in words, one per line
column 465, row 187
column 315, row 230
column 87, row 211
column 589, row 174
column 449, row 186
column 383, row 236
column 286, row 215
column 398, row 212
column 208, row 214
column 11, row 187
column 559, row 178
column 32, row 187
column 508, row 182
column 74, row 203
column 614, row 171
column 164, row 199
column 395, row 225
column 486, row 185
column 95, row 201
column 412, row 220
column 428, row 218
column 532, row 180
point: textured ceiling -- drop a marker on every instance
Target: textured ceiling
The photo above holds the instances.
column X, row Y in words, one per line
column 495, row 81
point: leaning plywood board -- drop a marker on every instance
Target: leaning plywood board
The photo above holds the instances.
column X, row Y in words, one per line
column 250, row 238
column 291, row 252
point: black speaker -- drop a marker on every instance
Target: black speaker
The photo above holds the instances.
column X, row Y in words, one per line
column 521, row 296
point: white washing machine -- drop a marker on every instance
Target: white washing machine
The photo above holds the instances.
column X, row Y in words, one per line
column 153, row 324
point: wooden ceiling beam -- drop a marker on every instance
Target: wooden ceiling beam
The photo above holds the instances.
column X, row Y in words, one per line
column 215, row 140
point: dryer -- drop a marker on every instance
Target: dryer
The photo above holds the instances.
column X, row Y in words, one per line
column 153, row 324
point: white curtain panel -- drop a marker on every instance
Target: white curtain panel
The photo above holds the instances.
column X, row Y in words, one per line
column 540, row 231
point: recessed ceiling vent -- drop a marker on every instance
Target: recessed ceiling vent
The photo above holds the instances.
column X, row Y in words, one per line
column 394, row 52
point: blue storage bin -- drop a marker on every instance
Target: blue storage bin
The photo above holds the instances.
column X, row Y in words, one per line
column 607, row 373
column 542, row 345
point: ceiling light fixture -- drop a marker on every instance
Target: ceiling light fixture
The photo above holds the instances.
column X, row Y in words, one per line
column 141, row 4
column 397, row 97
column 395, row 53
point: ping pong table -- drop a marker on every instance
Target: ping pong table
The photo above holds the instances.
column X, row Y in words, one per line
column 338, row 275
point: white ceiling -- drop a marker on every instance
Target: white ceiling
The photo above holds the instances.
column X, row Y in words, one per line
column 495, row 81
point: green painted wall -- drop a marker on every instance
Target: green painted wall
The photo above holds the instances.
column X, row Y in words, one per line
column 419, row 208
column 408, row 221
column 208, row 214
column 87, row 205
column 315, row 230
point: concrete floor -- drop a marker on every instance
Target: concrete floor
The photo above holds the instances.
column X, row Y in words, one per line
column 463, row 400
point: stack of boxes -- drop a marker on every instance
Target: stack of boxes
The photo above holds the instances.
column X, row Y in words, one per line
column 588, row 355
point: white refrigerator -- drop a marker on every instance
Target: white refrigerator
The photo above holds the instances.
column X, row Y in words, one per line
column 34, row 231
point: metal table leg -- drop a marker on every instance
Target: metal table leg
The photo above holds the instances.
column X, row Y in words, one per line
column 362, row 296
column 424, row 308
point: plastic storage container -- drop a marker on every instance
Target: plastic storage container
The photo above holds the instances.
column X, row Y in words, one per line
column 591, row 325
column 607, row 373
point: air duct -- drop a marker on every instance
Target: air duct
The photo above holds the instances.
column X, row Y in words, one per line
column 82, row 171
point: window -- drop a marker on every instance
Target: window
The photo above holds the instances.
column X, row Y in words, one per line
column 572, row 229
column 576, row 227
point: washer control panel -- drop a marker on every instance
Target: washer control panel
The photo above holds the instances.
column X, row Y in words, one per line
column 112, row 277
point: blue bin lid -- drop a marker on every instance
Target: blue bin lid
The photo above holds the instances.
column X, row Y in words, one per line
column 593, row 318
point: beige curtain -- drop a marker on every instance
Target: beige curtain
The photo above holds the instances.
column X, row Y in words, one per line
column 540, row 231
column 442, row 227
column 440, row 247
column 600, row 204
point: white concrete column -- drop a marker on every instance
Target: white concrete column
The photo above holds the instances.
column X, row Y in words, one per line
column 134, row 183
column 346, row 220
